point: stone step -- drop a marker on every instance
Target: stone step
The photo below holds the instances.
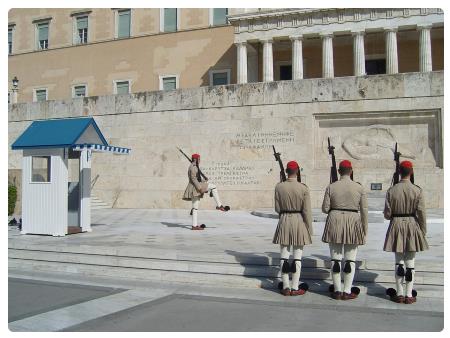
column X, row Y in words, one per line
column 208, row 257
column 194, row 266
column 190, row 278
column 97, row 203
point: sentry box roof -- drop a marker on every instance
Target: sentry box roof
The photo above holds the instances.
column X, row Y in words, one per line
column 77, row 133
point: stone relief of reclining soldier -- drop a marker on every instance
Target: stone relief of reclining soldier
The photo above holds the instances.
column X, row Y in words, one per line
column 377, row 142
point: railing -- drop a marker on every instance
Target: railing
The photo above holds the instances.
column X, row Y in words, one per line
column 94, row 181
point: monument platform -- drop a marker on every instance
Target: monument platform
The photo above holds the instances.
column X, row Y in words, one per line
column 235, row 250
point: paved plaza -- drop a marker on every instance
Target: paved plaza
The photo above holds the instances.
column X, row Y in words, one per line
column 211, row 280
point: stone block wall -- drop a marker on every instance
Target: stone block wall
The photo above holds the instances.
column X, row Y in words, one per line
column 234, row 127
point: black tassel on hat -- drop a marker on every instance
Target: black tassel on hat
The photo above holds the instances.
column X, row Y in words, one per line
column 400, row 270
column 285, row 268
column 408, row 274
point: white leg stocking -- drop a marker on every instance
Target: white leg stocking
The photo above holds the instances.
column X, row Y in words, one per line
column 195, row 205
column 298, row 251
column 336, row 258
column 284, row 257
column 409, row 262
column 350, row 251
column 215, row 193
column 399, row 262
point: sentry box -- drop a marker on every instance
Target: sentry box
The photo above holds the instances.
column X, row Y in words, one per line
column 56, row 174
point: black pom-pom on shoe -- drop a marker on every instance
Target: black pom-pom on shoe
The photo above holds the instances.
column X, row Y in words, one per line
column 331, row 288
column 414, row 293
column 227, row 208
column 355, row 290
column 202, row 226
column 391, row 292
column 280, row 285
column 304, row 286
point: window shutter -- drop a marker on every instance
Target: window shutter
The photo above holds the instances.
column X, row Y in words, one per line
column 124, row 24
column 220, row 79
column 80, row 91
column 219, row 16
column 43, row 31
column 170, row 83
column 82, row 22
column 170, row 19
column 122, row 87
column 41, row 95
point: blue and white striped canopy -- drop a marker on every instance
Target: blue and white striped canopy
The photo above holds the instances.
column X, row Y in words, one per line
column 102, row 148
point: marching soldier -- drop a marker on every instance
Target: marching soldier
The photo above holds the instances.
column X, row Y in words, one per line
column 405, row 208
column 345, row 229
column 293, row 204
column 195, row 190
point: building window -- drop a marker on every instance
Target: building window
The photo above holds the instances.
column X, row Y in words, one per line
column 10, row 34
column 79, row 91
column 123, row 23
column 40, row 169
column 168, row 82
column 122, row 87
column 169, row 20
column 81, row 35
column 375, row 66
column 42, row 35
column 40, row 95
column 219, row 77
column 218, row 16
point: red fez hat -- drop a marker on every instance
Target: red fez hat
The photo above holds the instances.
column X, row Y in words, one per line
column 195, row 156
column 345, row 164
column 292, row 165
column 406, row 164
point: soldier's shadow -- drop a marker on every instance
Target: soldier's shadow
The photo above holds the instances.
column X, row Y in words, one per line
column 181, row 225
column 363, row 278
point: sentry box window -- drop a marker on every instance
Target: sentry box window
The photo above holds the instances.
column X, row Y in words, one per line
column 40, row 169
column 376, row 186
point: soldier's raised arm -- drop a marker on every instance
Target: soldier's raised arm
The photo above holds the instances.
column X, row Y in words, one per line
column 421, row 213
column 364, row 210
column 326, row 201
column 306, row 211
column 387, row 206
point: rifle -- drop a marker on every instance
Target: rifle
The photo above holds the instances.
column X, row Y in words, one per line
column 333, row 170
column 190, row 161
column 396, row 176
column 278, row 159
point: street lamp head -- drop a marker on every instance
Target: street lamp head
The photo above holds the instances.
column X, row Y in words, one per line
column 15, row 82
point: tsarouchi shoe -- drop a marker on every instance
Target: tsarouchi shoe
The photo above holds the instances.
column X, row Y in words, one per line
column 286, row 292
column 410, row 300
column 336, row 295
column 223, row 208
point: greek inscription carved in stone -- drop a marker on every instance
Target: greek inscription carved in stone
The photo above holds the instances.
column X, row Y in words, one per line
column 230, row 174
column 262, row 140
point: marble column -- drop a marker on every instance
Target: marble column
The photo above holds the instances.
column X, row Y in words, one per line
column 425, row 61
column 327, row 55
column 391, row 51
column 267, row 60
column 359, row 58
column 297, row 57
column 241, row 62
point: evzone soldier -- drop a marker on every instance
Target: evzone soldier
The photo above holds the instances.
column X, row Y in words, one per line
column 405, row 208
column 293, row 204
column 345, row 229
column 195, row 190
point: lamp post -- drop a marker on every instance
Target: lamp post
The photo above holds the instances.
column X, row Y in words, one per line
column 15, row 88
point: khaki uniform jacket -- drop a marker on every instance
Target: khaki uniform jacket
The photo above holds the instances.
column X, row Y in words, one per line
column 293, row 228
column 345, row 227
column 194, row 187
column 405, row 233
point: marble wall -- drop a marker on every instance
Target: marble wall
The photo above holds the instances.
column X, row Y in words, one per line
column 234, row 127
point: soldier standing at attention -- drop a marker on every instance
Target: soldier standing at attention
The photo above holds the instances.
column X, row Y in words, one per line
column 345, row 229
column 195, row 190
column 405, row 208
column 293, row 204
